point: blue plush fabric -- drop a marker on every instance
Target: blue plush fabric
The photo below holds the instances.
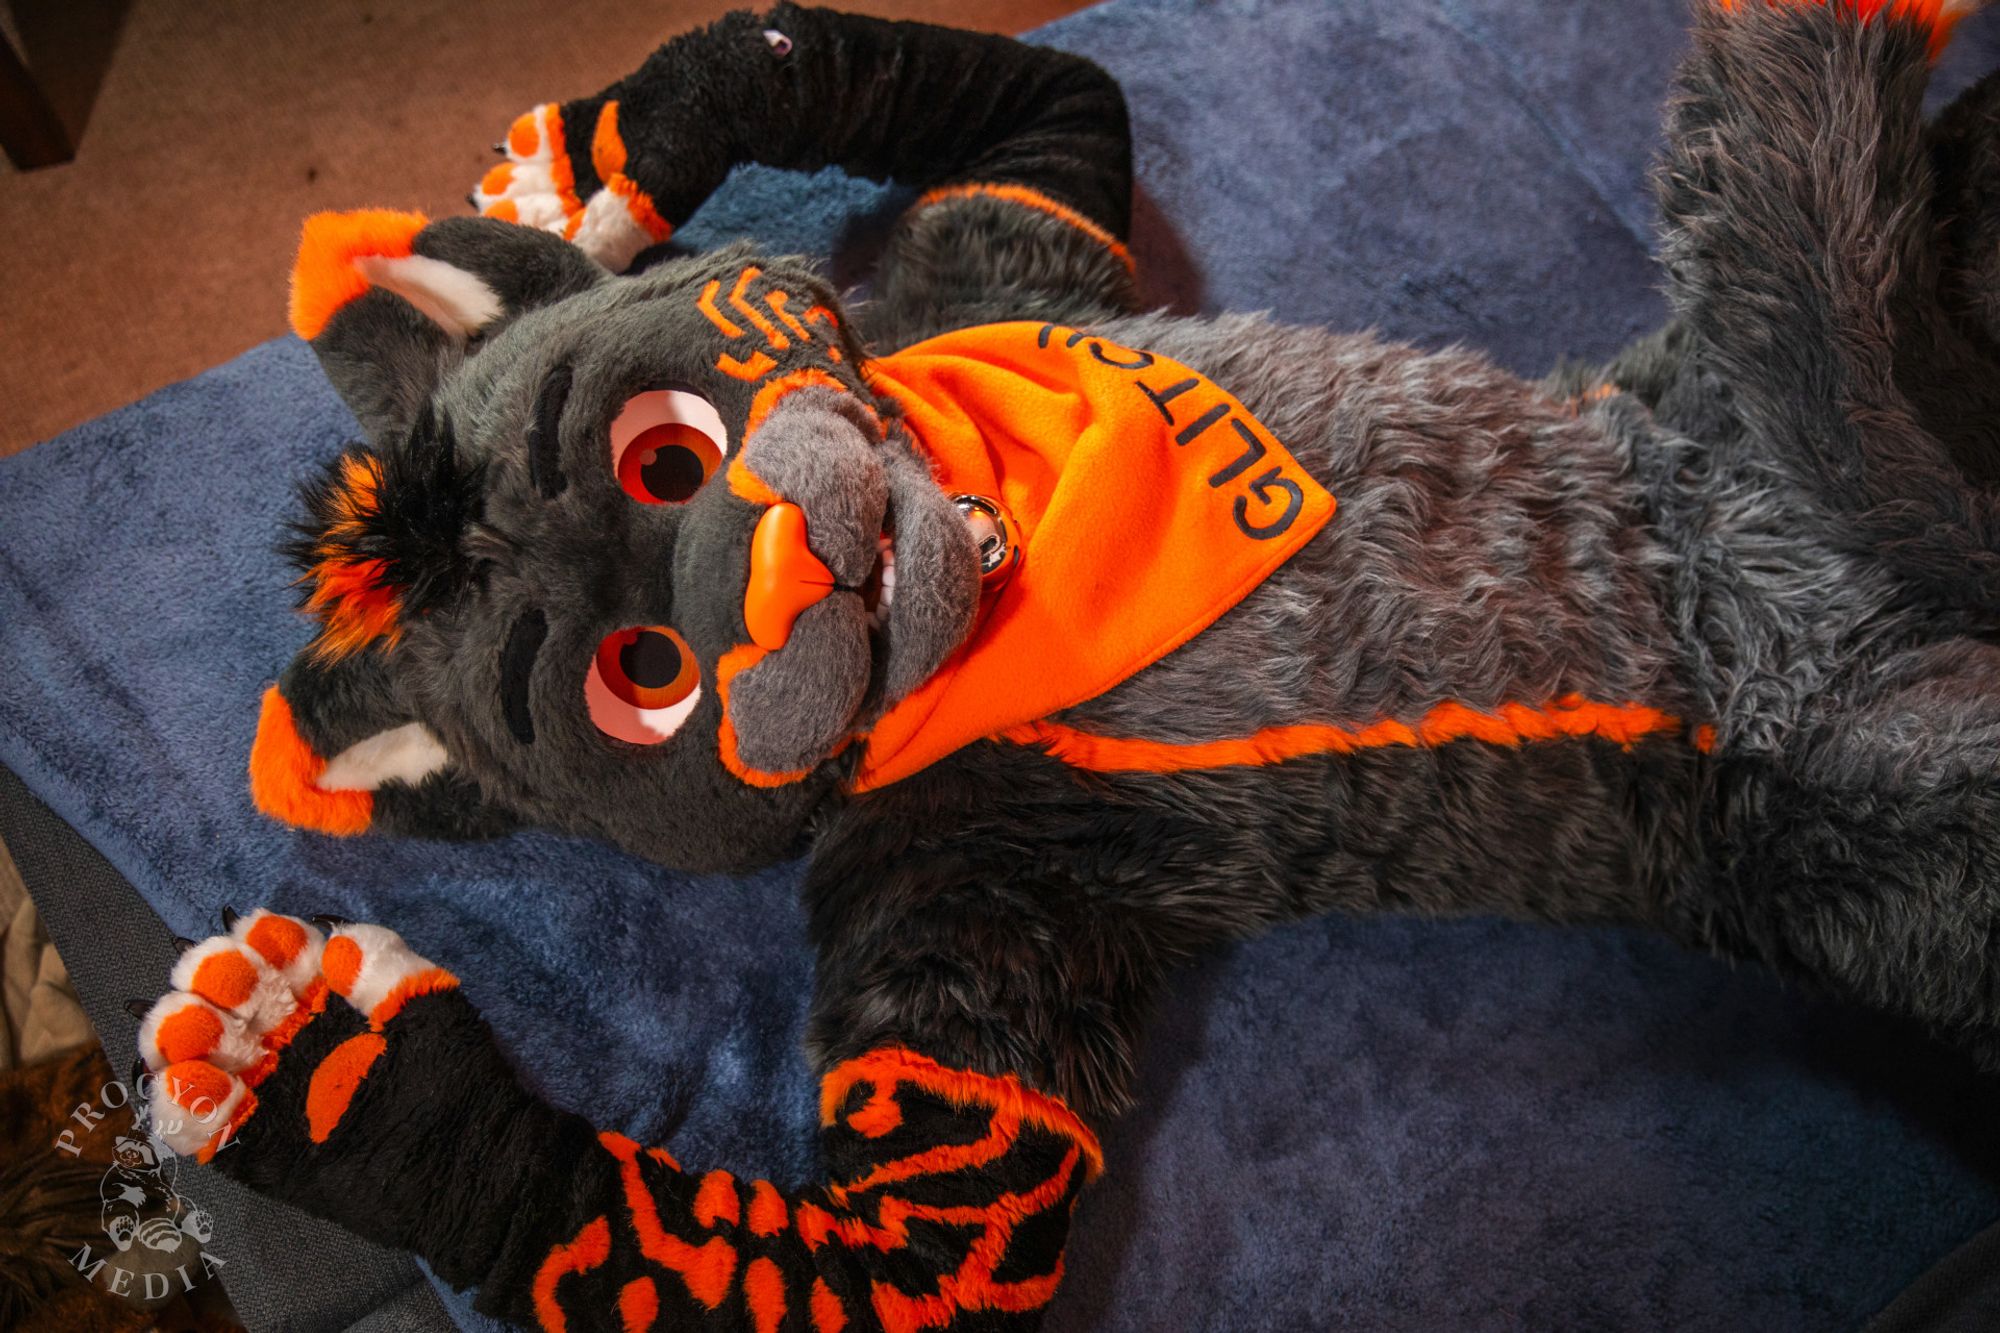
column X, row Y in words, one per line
column 1370, row 1124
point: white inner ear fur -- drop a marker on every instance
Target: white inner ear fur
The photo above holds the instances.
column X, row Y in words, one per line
column 455, row 300
column 406, row 754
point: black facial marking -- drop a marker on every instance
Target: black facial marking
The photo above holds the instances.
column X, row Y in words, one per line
column 650, row 660
column 544, row 436
column 517, row 664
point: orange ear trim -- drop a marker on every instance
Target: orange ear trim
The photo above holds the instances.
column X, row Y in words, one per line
column 324, row 277
column 284, row 769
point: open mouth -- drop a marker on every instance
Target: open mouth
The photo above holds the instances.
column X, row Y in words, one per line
column 878, row 590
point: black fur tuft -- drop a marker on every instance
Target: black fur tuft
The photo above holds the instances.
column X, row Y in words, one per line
column 408, row 511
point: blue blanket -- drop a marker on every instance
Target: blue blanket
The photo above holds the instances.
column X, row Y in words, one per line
column 1378, row 1124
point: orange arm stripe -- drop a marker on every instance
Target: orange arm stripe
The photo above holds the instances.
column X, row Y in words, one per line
column 1035, row 199
column 1510, row 724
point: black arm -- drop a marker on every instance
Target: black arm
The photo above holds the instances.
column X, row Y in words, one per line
column 1023, row 154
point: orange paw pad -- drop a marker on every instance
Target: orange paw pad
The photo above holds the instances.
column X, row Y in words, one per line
column 336, row 1081
column 226, row 978
column 192, row 1082
column 279, row 939
column 341, row 964
column 188, row 1034
column 525, row 136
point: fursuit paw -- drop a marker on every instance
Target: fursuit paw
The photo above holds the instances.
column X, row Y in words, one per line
column 565, row 173
column 250, row 1015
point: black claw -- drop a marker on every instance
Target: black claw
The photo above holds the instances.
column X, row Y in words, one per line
column 183, row 944
column 472, row 198
column 327, row 921
column 500, row 147
column 138, row 1069
column 230, row 918
column 137, row 1008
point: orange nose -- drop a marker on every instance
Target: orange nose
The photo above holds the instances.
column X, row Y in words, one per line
column 785, row 576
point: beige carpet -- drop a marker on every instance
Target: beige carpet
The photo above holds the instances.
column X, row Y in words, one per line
column 164, row 247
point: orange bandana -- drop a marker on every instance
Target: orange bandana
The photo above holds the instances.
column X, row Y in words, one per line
column 1148, row 499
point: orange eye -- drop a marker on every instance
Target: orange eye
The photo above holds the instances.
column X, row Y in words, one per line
column 665, row 444
column 643, row 684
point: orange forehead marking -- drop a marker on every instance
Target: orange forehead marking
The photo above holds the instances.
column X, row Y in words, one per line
column 226, row 978
column 778, row 341
column 768, row 396
column 278, row 938
column 755, row 368
column 706, row 304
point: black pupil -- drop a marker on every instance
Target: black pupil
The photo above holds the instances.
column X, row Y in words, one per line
column 674, row 473
column 650, row 661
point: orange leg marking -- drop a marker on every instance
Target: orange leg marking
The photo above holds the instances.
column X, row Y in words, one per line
column 336, row 1081
column 767, row 1210
column 591, row 1247
column 764, row 1291
column 706, row 1269
column 829, row 1315
column 639, row 1304
column 716, row 1200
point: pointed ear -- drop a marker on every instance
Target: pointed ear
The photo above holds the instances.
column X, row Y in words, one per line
column 391, row 301
column 337, row 752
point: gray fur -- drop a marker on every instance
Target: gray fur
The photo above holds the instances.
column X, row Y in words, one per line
column 820, row 449
column 1758, row 521
column 793, row 709
column 934, row 609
